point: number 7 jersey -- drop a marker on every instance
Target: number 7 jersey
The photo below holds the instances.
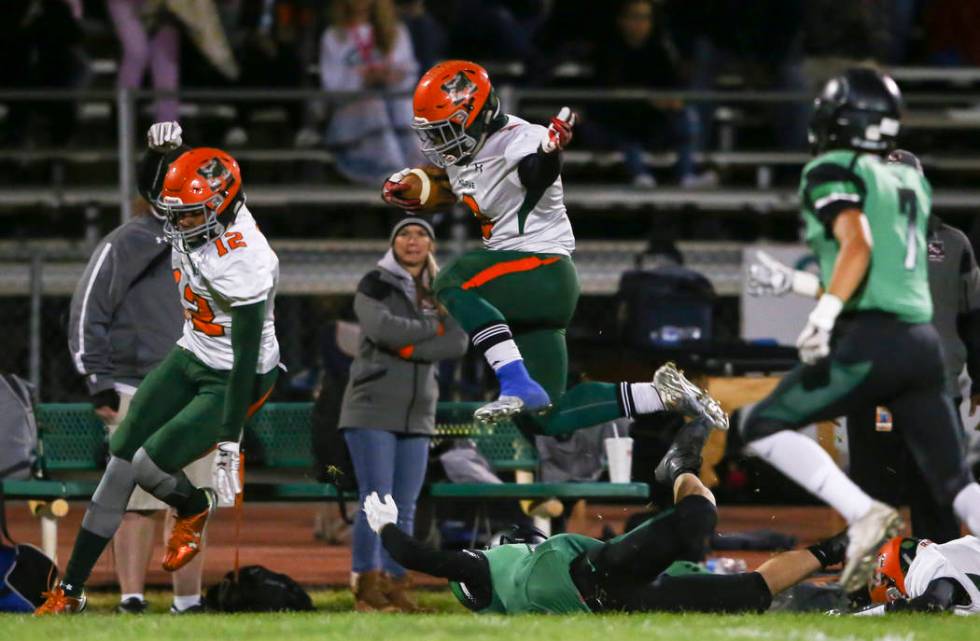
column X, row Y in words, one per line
column 237, row 269
column 896, row 200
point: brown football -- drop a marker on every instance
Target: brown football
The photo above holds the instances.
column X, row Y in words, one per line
column 430, row 185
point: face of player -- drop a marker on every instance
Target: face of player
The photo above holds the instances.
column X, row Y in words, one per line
column 636, row 22
column 412, row 246
column 191, row 221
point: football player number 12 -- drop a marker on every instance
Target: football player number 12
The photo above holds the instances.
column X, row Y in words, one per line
column 202, row 316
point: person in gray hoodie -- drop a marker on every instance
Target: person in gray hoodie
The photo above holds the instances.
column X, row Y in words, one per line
column 389, row 407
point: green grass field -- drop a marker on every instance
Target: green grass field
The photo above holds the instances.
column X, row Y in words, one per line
column 334, row 620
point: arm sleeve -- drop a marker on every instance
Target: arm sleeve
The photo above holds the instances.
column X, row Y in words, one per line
column 111, row 271
column 940, row 596
column 90, row 317
column 539, row 170
column 380, row 325
column 452, row 344
column 246, row 338
column 152, row 168
column 333, row 72
column 829, row 189
column 465, row 566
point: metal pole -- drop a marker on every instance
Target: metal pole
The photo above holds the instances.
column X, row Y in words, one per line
column 37, row 288
column 126, row 125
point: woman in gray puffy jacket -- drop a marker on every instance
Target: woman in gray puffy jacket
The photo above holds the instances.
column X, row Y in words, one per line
column 389, row 406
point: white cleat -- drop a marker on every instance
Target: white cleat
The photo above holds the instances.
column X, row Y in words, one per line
column 499, row 410
column 681, row 395
column 866, row 536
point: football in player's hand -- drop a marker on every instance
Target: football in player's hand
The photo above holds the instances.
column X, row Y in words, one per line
column 430, row 185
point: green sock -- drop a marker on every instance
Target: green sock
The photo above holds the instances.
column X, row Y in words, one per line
column 88, row 548
column 584, row 405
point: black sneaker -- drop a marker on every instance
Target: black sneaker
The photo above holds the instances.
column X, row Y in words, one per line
column 684, row 454
column 132, row 605
column 198, row 608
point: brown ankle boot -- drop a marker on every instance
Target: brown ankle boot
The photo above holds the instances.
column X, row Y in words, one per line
column 369, row 592
column 399, row 594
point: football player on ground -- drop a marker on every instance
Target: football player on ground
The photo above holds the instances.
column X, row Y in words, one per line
column 917, row 575
column 220, row 372
column 516, row 296
column 651, row 568
column 869, row 341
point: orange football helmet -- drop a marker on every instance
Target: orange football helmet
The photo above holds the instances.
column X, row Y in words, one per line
column 200, row 181
column 894, row 558
column 454, row 106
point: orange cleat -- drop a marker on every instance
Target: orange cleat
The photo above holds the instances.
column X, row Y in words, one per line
column 57, row 602
column 185, row 540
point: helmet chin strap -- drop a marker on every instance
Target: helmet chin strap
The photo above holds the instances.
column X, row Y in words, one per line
column 496, row 120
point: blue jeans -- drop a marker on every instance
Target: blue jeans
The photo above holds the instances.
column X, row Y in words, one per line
column 386, row 463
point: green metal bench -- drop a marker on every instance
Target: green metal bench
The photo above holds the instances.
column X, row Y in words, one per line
column 71, row 445
column 71, row 441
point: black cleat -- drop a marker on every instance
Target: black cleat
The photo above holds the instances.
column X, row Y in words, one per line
column 132, row 605
column 684, row 454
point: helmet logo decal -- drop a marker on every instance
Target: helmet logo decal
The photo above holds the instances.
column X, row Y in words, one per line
column 216, row 174
column 460, row 89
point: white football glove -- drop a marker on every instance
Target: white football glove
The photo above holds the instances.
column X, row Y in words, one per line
column 380, row 513
column 225, row 473
column 769, row 277
column 164, row 136
column 814, row 341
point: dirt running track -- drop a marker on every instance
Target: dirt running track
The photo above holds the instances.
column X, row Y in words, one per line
column 281, row 537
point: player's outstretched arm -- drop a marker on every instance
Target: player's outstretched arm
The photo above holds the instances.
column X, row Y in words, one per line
column 246, row 339
column 789, row 568
column 164, row 145
column 540, row 169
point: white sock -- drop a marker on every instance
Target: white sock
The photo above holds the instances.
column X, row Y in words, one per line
column 131, row 595
column 640, row 398
column 803, row 460
column 967, row 507
column 502, row 353
column 181, row 603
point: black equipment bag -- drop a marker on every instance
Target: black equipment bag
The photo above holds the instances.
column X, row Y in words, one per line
column 665, row 307
column 257, row 589
column 25, row 571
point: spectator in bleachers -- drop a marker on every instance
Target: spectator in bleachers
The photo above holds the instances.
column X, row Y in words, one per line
column 149, row 31
column 389, row 406
column 953, row 32
column 429, row 37
column 275, row 50
column 160, row 50
column 497, row 29
column 365, row 48
column 40, row 48
column 759, row 42
column 637, row 55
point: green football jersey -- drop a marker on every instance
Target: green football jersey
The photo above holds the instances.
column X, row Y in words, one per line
column 526, row 579
column 897, row 201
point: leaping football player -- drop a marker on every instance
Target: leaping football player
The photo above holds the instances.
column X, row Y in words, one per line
column 220, row 372
column 515, row 297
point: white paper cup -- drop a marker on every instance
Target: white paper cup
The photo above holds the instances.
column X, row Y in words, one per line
column 619, row 454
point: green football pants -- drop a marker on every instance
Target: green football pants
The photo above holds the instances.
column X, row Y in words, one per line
column 535, row 295
column 176, row 412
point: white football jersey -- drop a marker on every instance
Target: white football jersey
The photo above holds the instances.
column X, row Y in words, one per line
column 958, row 560
column 511, row 218
column 237, row 269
